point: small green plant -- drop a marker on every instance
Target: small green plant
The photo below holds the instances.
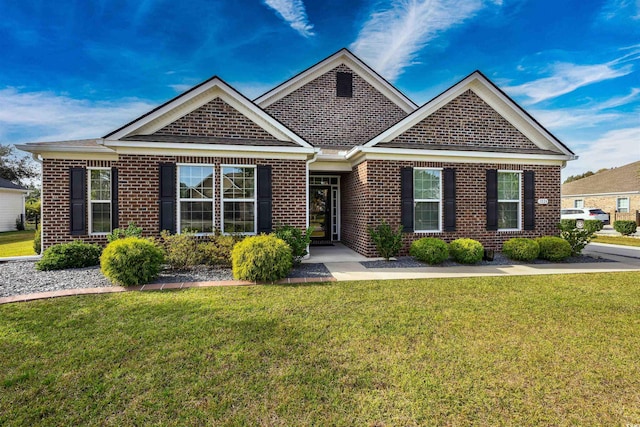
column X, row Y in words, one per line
column 578, row 238
column 466, row 251
column 37, row 239
column 263, row 258
column 76, row 254
column 181, row 250
column 120, row 233
column 388, row 241
column 296, row 239
column 567, row 224
column 217, row 250
column 131, row 261
column 553, row 248
column 593, row 225
column 625, row 227
column 19, row 223
column 430, row 250
column 521, row 249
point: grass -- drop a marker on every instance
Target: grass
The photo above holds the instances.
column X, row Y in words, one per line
column 16, row 243
column 537, row 350
column 617, row 240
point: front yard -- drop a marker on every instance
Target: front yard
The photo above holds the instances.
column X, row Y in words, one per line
column 538, row 350
column 16, row 243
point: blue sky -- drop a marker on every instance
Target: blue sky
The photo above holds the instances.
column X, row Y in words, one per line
column 77, row 69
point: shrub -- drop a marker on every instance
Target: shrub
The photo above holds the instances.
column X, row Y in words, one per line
column 593, row 225
column 37, row 239
column 217, row 250
column 298, row 241
column 578, row 238
column 263, row 258
column 131, row 261
column 19, row 223
column 76, row 254
column 553, row 248
column 625, row 227
column 466, row 251
column 181, row 250
column 567, row 224
column 32, row 210
column 430, row 250
column 521, row 248
column 388, row 242
column 120, row 233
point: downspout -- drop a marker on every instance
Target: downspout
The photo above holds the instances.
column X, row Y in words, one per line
column 306, row 208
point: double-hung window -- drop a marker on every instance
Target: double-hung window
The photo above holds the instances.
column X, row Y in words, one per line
column 195, row 198
column 99, row 200
column 509, row 200
column 239, row 199
column 578, row 203
column 622, row 204
column 427, row 196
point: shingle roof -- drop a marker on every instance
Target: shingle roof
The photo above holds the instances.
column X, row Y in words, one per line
column 622, row 179
column 4, row 183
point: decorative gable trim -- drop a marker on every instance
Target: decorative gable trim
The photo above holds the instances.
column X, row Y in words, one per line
column 196, row 98
column 343, row 56
column 496, row 99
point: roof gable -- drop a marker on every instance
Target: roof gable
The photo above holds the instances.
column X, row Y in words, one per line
column 342, row 57
column 173, row 115
column 8, row 185
column 623, row 179
column 477, row 87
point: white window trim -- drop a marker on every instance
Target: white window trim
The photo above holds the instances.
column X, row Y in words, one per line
column 520, row 189
column 575, row 202
column 628, row 204
column 92, row 202
column 179, row 199
column 254, row 200
column 439, row 201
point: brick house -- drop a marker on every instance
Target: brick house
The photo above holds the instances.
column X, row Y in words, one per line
column 336, row 147
column 615, row 190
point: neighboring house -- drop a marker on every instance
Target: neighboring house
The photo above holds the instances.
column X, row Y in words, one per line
column 336, row 147
column 11, row 204
column 615, row 190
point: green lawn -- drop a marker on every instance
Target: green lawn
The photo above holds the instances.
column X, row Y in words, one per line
column 545, row 350
column 16, row 243
column 617, row 240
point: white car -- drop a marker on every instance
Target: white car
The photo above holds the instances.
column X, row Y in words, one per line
column 582, row 214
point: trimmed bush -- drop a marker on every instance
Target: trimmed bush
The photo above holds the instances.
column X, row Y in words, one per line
column 388, row 241
column 521, row 249
column 76, row 254
column 263, row 258
column 120, row 233
column 37, row 239
column 625, row 227
column 578, row 238
column 466, row 251
column 553, row 248
column 567, row 224
column 131, row 261
column 217, row 250
column 430, row 250
column 593, row 225
column 181, row 250
column 296, row 239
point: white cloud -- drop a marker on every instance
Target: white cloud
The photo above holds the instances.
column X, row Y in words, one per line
column 566, row 78
column 294, row 13
column 391, row 38
column 614, row 148
column 625, row 9
column 46, row 116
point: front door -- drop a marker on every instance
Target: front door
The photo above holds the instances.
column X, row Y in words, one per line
column 320, row 212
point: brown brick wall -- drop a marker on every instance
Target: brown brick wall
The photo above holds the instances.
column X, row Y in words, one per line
column 138, row 191
column 466, row 121
column 381, row 180
column 216, row 118
column 323, row 119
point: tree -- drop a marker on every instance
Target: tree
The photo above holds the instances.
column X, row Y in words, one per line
column 577, row 177
column 14, row 167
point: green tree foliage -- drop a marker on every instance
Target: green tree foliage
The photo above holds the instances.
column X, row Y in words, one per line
column 14, row 167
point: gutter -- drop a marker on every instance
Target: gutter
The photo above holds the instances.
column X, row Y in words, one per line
column 313, row 159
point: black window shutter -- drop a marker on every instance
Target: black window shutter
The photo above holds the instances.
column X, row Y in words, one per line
column 492, row 199
column 78, row 196
column 264, row 199
column 168, row 197
column 529, row 201
column 344, row 84
column 449, row 195
column 406, row 194
column 115, row 222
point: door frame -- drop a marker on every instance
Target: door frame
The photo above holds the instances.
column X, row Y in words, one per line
column 332, row 181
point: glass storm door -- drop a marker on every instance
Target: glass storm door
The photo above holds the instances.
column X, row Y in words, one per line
column 320, row 212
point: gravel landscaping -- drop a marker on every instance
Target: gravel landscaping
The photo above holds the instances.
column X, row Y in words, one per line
column 499, row 259
column 21, row 277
